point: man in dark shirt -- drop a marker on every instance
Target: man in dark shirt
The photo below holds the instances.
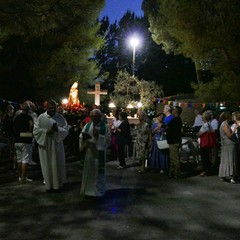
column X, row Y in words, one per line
column 23, row 126
column 174, row 139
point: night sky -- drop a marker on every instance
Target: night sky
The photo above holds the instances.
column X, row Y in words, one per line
column 115, row 9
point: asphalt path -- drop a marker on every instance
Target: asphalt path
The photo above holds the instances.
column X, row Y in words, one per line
column 135, row 207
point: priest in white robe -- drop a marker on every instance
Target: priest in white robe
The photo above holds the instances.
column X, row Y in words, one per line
column 50, row 129
column 95, row 139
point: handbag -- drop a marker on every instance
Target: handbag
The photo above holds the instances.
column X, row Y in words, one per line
column 162, row 144
column 208, row 140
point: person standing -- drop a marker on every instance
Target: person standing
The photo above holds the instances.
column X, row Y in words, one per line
column 206, row 151
column 142, row 140
column 167, row 110
column 159, row 160
column 95, row 139
column 114, row 125
column 31, row 112
column 214, row 151
column 228, row 170
column 174, row 139
column 198, row 121
column 8, row 132
column 49, row 131
column 23, row 137
column 123, row 138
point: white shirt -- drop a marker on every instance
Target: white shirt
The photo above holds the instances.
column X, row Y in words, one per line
column 198, row 121
column 215, row 124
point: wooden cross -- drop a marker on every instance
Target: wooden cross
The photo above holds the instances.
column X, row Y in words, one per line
column 97, row 93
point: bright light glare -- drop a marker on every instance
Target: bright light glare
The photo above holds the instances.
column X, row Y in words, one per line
column 130, row 106
column 111, row 105
column 65, row 101
column 134, row 41
column 139, row 104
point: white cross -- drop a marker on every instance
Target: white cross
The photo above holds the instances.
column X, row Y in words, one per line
column 97, row 93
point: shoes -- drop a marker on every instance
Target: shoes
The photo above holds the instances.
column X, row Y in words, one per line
column 121, row 167
column 233, row 181
column 203, row 174
column 141, row 171
column 32, row 163
column 161, row 172
column 25, row 179
column 223, row 179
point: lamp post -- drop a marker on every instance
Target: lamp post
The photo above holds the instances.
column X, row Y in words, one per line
column 134, row 43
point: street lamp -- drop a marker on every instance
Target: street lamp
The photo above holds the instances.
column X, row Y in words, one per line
column 134, row 43
column 139, row 104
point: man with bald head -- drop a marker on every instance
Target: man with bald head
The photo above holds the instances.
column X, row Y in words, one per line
column 95, row 139
column 50, row 130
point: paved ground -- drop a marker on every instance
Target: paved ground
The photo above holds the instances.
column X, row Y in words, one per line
column 147, row 206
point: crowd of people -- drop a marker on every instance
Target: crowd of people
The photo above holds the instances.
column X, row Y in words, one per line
column 222, row 156
column 88, row 134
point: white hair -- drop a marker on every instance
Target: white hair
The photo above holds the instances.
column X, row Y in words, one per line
column 96, row 111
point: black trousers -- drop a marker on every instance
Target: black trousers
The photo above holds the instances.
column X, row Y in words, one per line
column 121, row 155
column 205, row 155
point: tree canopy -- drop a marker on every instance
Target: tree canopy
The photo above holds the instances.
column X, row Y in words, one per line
column 173, row 73
column 131, row 89
column 207, row 32
column 47, row 45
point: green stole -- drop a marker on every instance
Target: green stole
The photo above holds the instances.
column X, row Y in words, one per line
column 101, row 153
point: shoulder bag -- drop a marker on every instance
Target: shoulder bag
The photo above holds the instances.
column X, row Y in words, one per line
column 208, row 140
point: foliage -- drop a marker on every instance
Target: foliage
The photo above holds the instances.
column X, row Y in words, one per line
column 219, row 88
column 207, row 32
column 130, row 89
column 47, row 45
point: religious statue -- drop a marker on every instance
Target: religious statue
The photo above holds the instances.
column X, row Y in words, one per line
column 73, row 95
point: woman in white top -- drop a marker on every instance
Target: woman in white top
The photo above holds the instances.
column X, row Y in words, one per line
column 205, row 152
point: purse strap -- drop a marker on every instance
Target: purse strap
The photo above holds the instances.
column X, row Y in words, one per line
column 209, row 127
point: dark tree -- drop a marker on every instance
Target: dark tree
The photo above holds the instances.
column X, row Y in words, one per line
column 205, row 31
column 46, row 46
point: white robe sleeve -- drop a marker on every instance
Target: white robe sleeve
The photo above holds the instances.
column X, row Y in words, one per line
column 40, row 134
column 63, row 128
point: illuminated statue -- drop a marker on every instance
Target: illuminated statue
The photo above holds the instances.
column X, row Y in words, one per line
column 73, row 95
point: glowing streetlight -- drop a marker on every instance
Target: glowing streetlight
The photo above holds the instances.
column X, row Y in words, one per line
column 139, row 104
column 134, row 43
